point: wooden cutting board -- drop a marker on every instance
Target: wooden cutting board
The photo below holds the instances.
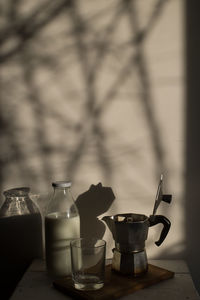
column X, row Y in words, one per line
column 116, row 285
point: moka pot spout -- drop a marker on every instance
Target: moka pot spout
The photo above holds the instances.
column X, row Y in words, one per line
column 110, row 222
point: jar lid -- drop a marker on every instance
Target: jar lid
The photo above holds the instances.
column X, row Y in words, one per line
column 17, row 192
column 61, row 184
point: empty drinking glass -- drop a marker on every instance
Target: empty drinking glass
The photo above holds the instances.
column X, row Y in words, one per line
column 88, row 263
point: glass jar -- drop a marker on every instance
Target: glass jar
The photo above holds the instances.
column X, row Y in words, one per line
column 62, row 224
column 17, row 203
column 20, row 236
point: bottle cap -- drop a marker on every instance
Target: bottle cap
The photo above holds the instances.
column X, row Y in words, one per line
column 61, row 184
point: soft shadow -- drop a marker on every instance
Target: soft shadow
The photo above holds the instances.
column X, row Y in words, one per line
column 192, row 203
column 92, row 203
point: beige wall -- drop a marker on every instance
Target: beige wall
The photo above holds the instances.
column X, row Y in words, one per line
column 95, row 93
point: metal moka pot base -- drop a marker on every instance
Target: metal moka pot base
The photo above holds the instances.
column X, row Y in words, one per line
column 130, row 263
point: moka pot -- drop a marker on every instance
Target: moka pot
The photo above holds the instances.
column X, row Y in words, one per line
column 130, row 231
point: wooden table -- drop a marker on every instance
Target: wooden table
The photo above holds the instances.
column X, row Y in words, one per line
column 35, row 284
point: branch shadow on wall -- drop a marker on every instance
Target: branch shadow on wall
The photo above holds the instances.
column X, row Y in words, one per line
column 26, row 29
column 98, row 199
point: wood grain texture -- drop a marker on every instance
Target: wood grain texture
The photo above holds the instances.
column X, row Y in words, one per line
column 116, row 285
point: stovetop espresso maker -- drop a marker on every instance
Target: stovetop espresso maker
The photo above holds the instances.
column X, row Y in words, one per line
column 130, row 232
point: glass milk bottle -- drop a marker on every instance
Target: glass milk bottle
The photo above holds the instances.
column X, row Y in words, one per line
column 62, row 224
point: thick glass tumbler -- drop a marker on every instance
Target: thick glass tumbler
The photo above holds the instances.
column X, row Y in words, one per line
column 88, row 263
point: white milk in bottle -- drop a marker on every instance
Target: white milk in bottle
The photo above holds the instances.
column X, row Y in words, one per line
column 62, row 224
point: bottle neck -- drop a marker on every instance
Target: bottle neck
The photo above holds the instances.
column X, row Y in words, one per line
column 63, row 191
column 62, row 203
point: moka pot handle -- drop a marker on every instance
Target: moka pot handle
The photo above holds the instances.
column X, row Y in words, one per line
column 153, row 220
